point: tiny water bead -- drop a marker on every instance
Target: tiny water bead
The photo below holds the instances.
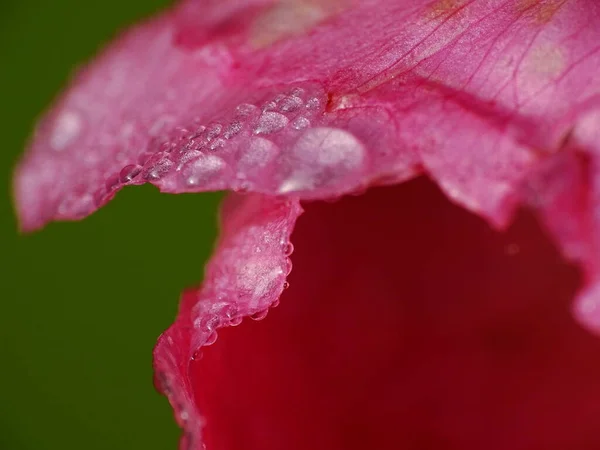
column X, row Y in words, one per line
column 129, row 172
column 290, row 104
column 260, row 315
column 217, row 144
column 211, row 339
column 270, row 122
column 202, row 170
column 112, row 183
column 300, row 123
column 288, row 249
column 232, row 129
column 158, row 170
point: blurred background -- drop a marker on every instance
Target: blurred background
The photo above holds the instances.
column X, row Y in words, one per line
column 81, row 304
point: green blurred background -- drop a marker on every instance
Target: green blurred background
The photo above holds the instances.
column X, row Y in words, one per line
column 83, row 303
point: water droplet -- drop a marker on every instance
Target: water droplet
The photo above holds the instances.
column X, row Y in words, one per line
column 300, row 123
column 245, row 109
column 158, row 170
column 288, row 266
column 213, row 131
column 288, row 249
column 112, row 183
column 260, row 153
column 233, row 129
column 276, row 303
column 197, row 355
column 217, row 144
column 129, row 172
column 211, row 339
column 290, row 104
column 186, row 157
column 269, row 106
column 67, row 128
column 260, row 315
column 286, row 285
column 202, row 170
column 313, row 103
column 270, row 122
column 297, row 92
column 235, row 321
column 321, row 157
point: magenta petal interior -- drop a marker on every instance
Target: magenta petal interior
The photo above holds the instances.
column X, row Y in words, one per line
column 435, row 332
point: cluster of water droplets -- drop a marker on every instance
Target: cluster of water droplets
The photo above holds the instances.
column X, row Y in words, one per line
column 230, row 153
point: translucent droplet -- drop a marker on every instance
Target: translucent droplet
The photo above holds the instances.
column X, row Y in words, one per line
column 286, row 285
column 129, row 172
column 270, row 122
column 233, row 129
column 260, row 315
column 217, row 144
column 197, row 355
column 297, row 92
column 235, row 321
column 187, row 156
column 300, row 123
column 288, row 249
column 158, row 170
column 269, row 106
column 245, row 109
column 313, row 103
column 276, row 303
column 290, row 104
column 112, row 183
column 213, row 131
column 211, row 339
column 321, row 157
column 202, row 170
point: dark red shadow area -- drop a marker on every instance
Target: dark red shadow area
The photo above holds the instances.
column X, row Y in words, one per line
column 409, row 324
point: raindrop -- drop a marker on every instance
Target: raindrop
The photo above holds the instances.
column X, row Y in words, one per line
column 202, row 170
column 259, row 315
column 213, row 131
column 235, row 321
column 300, row 123
column 270, row 122
column 233, row 129
column 286, row 285
column 158, row 170
column 288, row 249
column 245, row 109
column 112, row 183
column 218, row 143
column 211, row 339
column 290, row 104
column 313, row 103
column 129, row 172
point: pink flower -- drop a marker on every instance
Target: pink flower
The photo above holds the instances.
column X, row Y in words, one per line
column 412, row 320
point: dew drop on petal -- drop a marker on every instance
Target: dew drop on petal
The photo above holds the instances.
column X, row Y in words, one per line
column 202, row 170
column 211, row 339
column 217, row 144
column 270, row 122
column 158, row 170
column 233, row 129
column 260, row 315
column 129, row 172
column 300, row 123
column 290, row 104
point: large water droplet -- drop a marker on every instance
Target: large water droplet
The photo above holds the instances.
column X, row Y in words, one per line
column 270, row 122
column 313, row 103
column 260, row 315
column 290, row 104
column 322, row 157
column 246, row 109
column 211, row 339
column 202, row 170
column 129, row 172
column 157, row 170
column 233, row 129
column 300, row 123
column 217, row 144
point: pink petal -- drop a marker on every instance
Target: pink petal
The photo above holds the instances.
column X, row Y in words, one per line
column 497, row 101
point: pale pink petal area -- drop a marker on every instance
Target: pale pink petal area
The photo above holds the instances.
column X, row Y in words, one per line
column 291, row 102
